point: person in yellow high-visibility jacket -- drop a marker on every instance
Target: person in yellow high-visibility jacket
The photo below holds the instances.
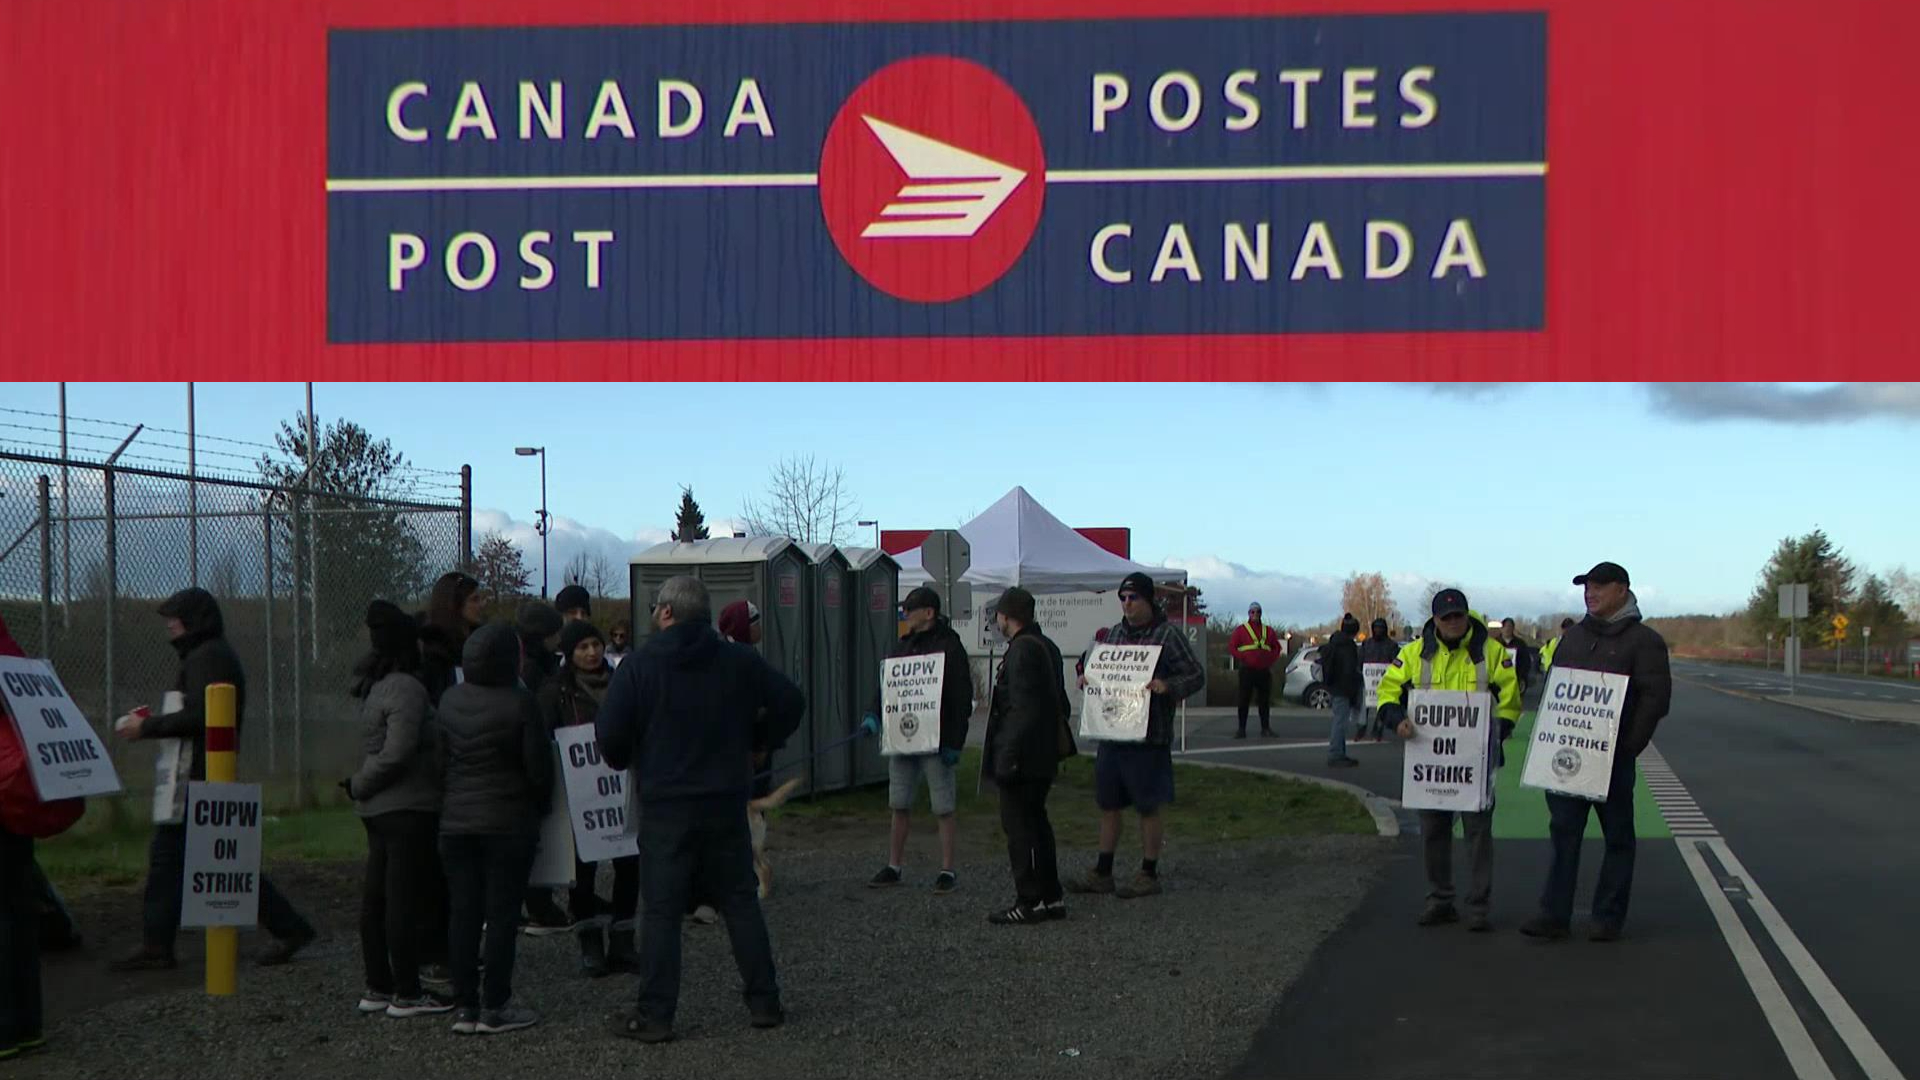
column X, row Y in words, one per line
column 1454, row 652
column 1546, row 654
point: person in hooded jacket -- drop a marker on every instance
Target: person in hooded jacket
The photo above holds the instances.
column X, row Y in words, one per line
column 538, row 625
column 928, row 633
column 495, row 766
column 455, row 609
column 1454, row 652
column 198, row 633
column 396, row 793
column 571, row 699
column 1027, row 737
column 1340, row 668
column 1379, row 648
column 683, row 715
column 1611, row 639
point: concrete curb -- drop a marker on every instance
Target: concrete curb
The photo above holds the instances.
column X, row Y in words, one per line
column 1801, row 705
column 1380, row 807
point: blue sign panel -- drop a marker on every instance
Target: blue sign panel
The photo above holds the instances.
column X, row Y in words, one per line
column 1342, row 174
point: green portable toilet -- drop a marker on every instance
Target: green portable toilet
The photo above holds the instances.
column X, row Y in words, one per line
column 770, row 572
column 830, row 710
column 874, row 615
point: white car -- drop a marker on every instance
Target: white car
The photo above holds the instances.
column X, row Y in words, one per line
column 1303, row 683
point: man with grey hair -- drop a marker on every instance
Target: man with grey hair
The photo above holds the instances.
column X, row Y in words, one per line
column 679, row 716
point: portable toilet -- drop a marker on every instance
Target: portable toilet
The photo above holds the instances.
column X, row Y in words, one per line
column 771, row 572
column 874, row 617
column 831, row 709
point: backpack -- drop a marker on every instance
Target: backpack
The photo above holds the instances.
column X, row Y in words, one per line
column 21, row 811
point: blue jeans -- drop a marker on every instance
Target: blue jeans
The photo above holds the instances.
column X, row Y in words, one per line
column 1343, row 710
column 699, row 849
column 1569, row 826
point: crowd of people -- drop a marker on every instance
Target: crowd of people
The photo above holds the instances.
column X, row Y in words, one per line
column 458, row 718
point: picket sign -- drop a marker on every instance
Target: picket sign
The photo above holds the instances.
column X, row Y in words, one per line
column 221, row 882
column 1449, row 763
column 910, row 688
column 65, row 758
column 596, row 798
column 1370, row 675
column 1576, row 734
column 1115, row 705
column 553, row 857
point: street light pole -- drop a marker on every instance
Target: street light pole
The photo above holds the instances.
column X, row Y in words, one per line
column 876, row 531
column 541, row 527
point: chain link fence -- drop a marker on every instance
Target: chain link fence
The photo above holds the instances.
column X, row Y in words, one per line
column 88, row 551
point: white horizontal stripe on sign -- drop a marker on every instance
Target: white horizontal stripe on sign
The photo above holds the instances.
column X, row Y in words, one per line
column 1268, row 173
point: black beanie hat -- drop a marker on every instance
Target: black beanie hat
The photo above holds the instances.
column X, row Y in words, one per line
column 393, row 632
column 536, row 619
column 573, row 598
column 577, row 631
column 1138, row 582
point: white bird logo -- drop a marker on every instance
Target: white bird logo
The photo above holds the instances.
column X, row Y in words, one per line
column 950, row 192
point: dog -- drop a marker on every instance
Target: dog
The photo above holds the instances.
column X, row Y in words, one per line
column 757, row 826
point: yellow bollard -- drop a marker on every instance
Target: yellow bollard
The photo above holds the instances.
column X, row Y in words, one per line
column 223, row 942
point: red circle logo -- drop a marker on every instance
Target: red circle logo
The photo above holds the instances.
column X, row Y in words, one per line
column 932, row 178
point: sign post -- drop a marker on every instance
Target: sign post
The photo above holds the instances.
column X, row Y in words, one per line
column 1866, row 650
column 946, row 556
column 1793, row 607
column 221, row 885
column 1839, row 640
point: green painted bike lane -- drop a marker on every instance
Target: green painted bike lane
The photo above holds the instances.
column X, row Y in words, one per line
column 1521, row 812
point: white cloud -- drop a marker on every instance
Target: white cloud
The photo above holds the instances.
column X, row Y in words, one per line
column 568, row 538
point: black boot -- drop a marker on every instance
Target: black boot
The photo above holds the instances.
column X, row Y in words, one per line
column 593, row 951
column 620, row 952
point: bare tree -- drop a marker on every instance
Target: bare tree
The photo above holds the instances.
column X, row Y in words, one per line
column 593, row 571
column 500, row 569
column 1369, row 597
column 1905, row 588
column 806, row 501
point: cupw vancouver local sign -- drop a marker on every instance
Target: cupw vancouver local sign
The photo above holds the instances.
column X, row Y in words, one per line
column 1576, row 734
column 1253, row 175
column 64, row 756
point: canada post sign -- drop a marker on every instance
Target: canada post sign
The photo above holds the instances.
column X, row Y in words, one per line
column 1345, row 174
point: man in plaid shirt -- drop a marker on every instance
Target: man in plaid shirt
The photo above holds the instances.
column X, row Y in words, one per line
column 1140, row 774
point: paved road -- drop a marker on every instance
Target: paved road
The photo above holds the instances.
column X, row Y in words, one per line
column 1828, row 684
column 1776, row 812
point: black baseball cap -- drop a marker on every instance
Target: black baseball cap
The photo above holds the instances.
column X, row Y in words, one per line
column 1606, row 573
column 1449, row 602
column 921, row 597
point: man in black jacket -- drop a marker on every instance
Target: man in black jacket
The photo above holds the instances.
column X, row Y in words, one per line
column 680, row 717
column 1027, row 736
column 198, row 633
column 1379, row 648
column 1611, row 639
column 928, row 633
column 1340, row 666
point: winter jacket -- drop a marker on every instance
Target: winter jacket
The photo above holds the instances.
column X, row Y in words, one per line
column 439, row 657
column 1454, row 668
column 1256, row 653
column 1027, row 719
column 1523, row 658
column 1177, row 668
column 1340, row 667
column 495, row 761
column 683, row 714
column 562, row 704
column 397, row 769
column 205, row 659
column 956, row 686
column 1378, row 650
column 1624, row 645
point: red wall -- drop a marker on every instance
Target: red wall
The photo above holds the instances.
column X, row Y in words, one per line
column 1730, row 197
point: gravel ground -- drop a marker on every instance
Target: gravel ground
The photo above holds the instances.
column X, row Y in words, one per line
column 876, row 983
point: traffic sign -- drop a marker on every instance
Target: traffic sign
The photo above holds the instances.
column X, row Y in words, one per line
column 1839, row 624
column 1793, row 601
column 945, row 555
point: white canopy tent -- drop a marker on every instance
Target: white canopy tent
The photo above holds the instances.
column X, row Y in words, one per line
column 1016, row 541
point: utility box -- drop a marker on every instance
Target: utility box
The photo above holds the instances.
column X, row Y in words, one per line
column 830, row 673
column 874, row 618
column 772, row 573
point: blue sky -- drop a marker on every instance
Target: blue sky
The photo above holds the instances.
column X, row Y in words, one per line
column 1270, row 492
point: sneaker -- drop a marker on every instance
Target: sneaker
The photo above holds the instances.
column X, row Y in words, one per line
column 1542, row 927
column 945, row 882
column 509, row 1017
column 283, row 950
column 1604, row 931
column 466, row 1021
column 1437, row 914
column 765, row 1017
column 373, row 1001
column 1478, row 923
column 1143, row 884
column 436, row 977
column 1342, row 762
column 642, row 1029
column 1017, row 915
column 144, row 960
column 1240, row 734
column 1093, row 881
column 705, row 915
column 544, row 918
column 888, row 876
column 426, row 1004
column 1055, row 910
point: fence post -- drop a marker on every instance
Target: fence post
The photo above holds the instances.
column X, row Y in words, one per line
column 273, row 712
column 223, row 942
column 113, row 583
column 299, row 652
column 466, row 516
column 45, row 487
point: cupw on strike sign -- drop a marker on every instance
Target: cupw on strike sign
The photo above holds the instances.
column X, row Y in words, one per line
column 1449, row 761
column 65, row 757
column 221, row 886
column 910, row 692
